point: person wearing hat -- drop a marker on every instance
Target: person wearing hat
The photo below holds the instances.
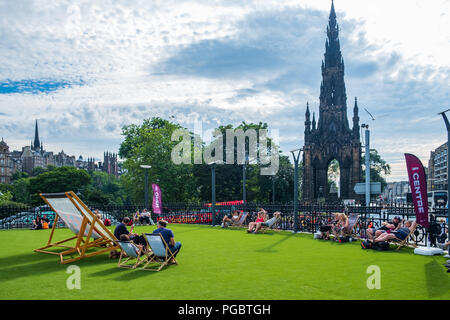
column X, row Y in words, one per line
column 168, row 237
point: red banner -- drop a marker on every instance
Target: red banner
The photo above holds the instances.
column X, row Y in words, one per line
column 418, row 183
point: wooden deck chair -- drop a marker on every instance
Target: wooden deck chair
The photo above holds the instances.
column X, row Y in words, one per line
column 400, row 243
column 161, row 254
column 271, row 224
column 240, row 223
column 133, row 253
column 350, row 231
column 91, row 237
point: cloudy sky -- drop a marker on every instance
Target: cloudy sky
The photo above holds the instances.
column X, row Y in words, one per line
column 84, row 69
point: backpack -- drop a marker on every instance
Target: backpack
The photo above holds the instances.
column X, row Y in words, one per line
column 381, row 246
column 366, row 244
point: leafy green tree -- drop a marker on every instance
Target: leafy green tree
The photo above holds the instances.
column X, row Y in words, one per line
column 58, row 180
column 19, row 175
column 229, row 177
column 21, row 190
column 151, row 144
column 379, row 168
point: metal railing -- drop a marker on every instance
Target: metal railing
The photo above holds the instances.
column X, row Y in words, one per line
column 310, row 216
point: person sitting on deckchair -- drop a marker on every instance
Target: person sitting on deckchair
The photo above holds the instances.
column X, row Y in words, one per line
column 385, row 227
column 325, row 228
column 399, row 234
column 341, row 223
column 444, row 245
column 168, row 236
column 125, row 237
column 122, row 229
column 231, row 218
column 261, row 217
column 269, row 223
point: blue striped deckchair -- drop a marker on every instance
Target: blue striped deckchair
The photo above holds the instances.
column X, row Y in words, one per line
column 161, row 254
column 133, row 253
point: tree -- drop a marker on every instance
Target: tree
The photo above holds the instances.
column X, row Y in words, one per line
column 58, row 180
column 229, row 177
column 379, row 168
column 151, row 144
column 19, row 175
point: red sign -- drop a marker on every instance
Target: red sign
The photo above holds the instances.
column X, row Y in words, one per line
column 226, row 203
column 418, row 183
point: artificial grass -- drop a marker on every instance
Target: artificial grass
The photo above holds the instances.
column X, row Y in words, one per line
column 228, row 264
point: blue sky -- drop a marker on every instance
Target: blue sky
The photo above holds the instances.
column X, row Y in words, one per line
column 84, row 69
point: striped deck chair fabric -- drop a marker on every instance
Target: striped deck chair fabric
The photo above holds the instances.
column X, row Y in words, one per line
column 132, row 252
column 161, row 254
column 241, row 221
column 405, row 241
column 353, row 220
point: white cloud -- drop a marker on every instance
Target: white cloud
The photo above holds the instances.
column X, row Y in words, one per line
column 396, row 55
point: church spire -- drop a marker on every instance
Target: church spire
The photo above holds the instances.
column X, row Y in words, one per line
column 314, row 121
column 356, row 120
column 333, row 56
column 307, row 120
column 37, row 144
column 332, row 89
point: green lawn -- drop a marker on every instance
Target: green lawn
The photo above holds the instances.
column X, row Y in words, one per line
column 227, row 264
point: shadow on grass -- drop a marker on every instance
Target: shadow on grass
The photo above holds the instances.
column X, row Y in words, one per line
column 45, row 265
column 270, row 248
column 133, row 274
column 437, row 279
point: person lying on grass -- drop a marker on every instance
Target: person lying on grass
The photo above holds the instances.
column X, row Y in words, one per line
column 400, row 233
column 385, row 227
column 231, row 218
column 269, row 223
column 261, row 217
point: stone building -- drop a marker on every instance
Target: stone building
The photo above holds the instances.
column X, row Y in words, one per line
column 6, row 166
column 332, row 138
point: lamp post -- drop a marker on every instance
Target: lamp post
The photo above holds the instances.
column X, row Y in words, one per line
column 296, row 155
column 213, row 191
column 273, row 188
column 146, row 167
column 244, row 176
column 447, row 125
column 367, row 142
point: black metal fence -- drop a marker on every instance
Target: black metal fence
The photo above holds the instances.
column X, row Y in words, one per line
column 310, row 216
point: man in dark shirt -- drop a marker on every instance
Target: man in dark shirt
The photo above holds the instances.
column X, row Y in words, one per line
column 121, row 229
column 373, row 233
column 168, row 236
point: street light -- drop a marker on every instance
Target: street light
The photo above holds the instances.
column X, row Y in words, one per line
column 273, row 189
column 244, row 176
column 367, row 136
column 146, row 167
column 447, row 125
column 213, row 191
column 296, row 155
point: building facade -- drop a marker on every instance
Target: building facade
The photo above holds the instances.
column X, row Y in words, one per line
column 437, row 169
column 6, row 166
